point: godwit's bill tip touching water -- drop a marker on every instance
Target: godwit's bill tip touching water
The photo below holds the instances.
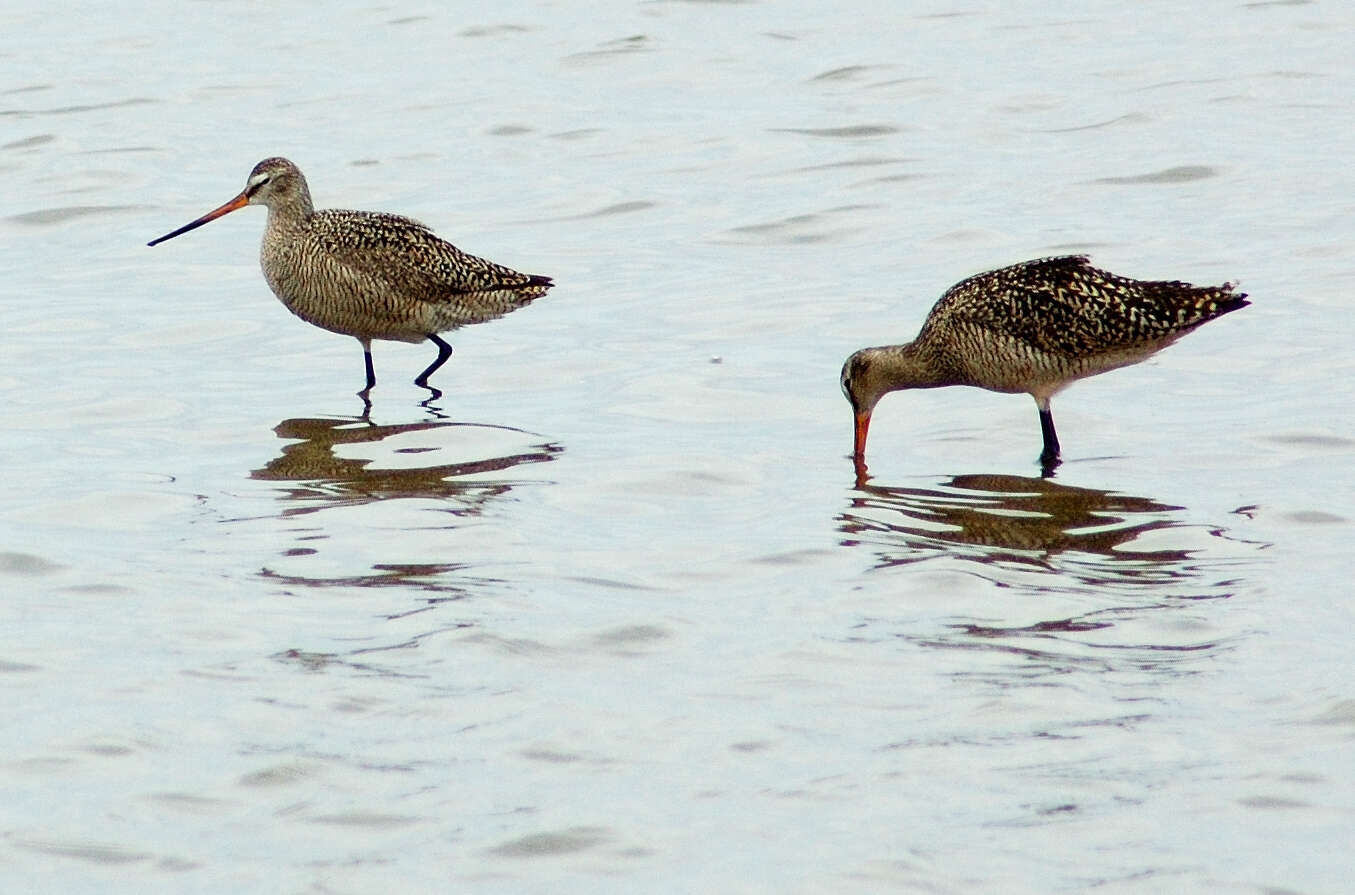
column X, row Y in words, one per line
column 370, row 275
column 1034, row 327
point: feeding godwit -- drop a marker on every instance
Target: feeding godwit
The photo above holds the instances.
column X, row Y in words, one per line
column 1034, row 327
column 367, row 274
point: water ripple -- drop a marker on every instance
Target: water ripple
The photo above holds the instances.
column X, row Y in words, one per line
column 851, row 132
column 70, row 110
column 799, row 228
column 1178, row 174
column 847, row 73
column 561, row 842
column 30, row 142
column 1130, row 118
column 47, row 216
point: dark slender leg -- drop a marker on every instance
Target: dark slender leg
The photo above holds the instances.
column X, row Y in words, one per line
column 1049, row 457
column 444, row 352
column 365, row 394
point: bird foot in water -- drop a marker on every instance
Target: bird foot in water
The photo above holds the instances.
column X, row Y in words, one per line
column 1048, row 463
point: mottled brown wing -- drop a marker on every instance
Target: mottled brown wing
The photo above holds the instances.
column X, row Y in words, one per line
column 412, row 260
column 1064, row 306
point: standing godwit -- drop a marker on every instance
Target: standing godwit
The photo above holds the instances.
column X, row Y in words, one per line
column 370, row 275
column 1034, row 327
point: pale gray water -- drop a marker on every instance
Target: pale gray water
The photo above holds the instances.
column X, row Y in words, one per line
column 616, row 617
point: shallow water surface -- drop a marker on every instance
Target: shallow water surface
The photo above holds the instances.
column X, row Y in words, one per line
column 615, row 613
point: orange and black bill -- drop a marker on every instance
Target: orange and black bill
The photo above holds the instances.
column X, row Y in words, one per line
column 239, row 201
column 859, row 443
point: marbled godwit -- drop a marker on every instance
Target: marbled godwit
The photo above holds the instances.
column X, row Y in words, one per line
column 370, row 275
column 1034, row 327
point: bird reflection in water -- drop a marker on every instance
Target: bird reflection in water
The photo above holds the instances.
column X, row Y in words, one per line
column 324, row 478
column 401, row 462
column 1037, row 539
column 1008, row 519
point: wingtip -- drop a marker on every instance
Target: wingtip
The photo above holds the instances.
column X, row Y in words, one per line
column 1231, row 302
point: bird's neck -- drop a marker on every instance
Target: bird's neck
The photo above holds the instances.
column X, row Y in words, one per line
column 909, row 366
column 292, row 213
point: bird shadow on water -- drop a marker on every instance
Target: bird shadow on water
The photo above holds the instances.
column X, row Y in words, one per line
column 1080, row 574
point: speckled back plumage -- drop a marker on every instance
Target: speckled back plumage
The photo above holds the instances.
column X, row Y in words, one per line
column 1040, row 324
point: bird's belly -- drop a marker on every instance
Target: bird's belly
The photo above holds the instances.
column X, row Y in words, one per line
column 359, row 310
column 1024, row 368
